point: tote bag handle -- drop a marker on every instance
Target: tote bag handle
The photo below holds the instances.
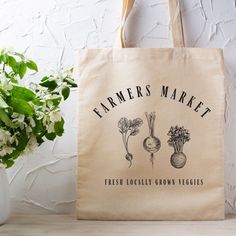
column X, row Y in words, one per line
column 175, row 22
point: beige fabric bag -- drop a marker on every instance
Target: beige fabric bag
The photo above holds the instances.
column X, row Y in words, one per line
column 151, row 125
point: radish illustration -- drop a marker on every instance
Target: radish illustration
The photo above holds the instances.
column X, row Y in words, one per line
column 151, row 144
column 129, row 128
column 178, row 137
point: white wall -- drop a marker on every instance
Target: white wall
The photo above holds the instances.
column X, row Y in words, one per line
column 50, row 31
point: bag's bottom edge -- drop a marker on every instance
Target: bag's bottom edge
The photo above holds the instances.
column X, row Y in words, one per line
column 151, row 219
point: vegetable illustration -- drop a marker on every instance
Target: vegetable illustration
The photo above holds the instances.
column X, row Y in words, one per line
column 151, row 144
column 129, row 128
column 178, row 137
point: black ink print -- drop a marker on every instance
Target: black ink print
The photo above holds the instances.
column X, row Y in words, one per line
column 151, row 144
column 129, row 128
column 178, row 137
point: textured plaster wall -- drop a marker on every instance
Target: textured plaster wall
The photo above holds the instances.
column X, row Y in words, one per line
column 50, row 31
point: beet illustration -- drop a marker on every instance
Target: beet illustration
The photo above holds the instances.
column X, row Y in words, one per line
column 178, row 137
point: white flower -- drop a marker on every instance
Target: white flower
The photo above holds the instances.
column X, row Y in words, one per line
column 28, row 130
column 46, row 119
column 19, row 120
column 5, row 83
column 7, row 139
column 32, row 122
column 50, row 104
column 18, row 117
column 55, row 116
column 6, row 150
column 4, row 136
column 13, row 138
column 31, row 145
column 59, row 74
column 2, row 165
column 39, row 114
column 51, row 128
column 40, row 91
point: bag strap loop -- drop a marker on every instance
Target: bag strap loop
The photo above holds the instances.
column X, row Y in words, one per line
column 127, row 6
column 175, row 22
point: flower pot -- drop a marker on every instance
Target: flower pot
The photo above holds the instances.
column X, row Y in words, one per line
column 4, row 196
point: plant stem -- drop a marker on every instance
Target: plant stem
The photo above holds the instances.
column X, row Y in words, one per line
column 153, row 117
column 152, row 159
column 175, row 148
column 124, row 140
column 130, row 164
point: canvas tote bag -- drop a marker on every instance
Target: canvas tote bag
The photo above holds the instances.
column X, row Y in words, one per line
column 151, row 123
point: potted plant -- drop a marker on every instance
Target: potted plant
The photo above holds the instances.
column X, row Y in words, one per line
column 29, row 114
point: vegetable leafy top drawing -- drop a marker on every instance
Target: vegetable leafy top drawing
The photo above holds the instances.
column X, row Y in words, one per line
column 129, row 128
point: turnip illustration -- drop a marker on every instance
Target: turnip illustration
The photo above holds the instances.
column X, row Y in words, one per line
column 129, row 128
column 151, row 144
column 178, row 137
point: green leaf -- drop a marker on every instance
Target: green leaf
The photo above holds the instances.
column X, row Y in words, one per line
column 5, row 119
column 3, row 104
column 21, row 106
column 13, row 64
column 23, row 93
column 59, row 127
column 50, row 84
column 9, row 163
column 39, row 140
column 15, row 154
column 2, row 92
column 5, row 58
column 56, row 101
column 37, row 102
column 22, row 141
column 39, row 128
column 32, row 65
column 50, row 136
column 44, row 78
column 12, row 77
column 22, row 69
column 71, row 82
column 12, row 156
column 65, row 92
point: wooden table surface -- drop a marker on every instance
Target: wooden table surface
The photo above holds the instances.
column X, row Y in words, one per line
column 67, row 225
